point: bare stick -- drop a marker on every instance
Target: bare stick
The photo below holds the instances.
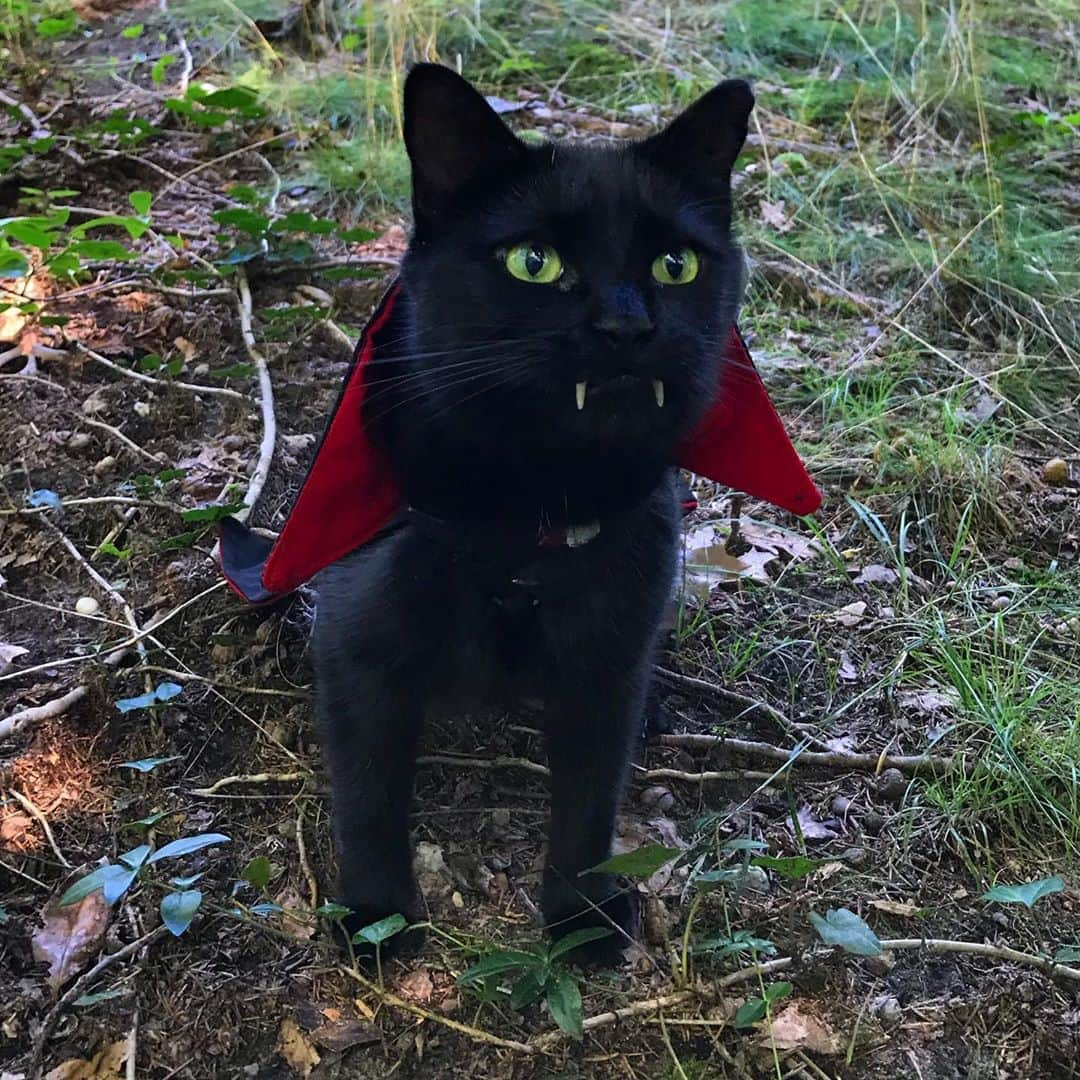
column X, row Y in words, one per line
column 666, row 1001
column 474, row 1033
column 141, row 376
column 251, row 778
column 266, row 399
column 78, row 987
column 119, row 648
column 97, row 500
column 43, row 821
column 305, row 866
column 702, row 688
column 994, row 952
column 915, row 763
column 29, row 717
column 484, row 763
column 117, row 434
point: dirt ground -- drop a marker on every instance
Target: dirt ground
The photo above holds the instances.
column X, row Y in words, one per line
column 244, row 994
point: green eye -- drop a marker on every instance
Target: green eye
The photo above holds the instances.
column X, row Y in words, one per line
column 534, row 262
column 675, row 267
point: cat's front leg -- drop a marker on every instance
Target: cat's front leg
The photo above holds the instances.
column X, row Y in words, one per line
column 591, row 736
column 370, row 707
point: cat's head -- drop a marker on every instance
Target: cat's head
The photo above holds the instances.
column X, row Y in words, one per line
column 567, row 301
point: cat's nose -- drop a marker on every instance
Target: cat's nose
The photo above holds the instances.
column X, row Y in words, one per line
column 622, row 318
column 624, row 329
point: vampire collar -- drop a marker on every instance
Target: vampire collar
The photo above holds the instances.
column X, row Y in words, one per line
column 350, row 495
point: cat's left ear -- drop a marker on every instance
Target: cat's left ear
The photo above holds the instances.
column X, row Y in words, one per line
column 703, row 142
column 453, row 138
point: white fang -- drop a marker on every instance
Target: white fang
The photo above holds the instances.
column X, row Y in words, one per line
column 658, row 390
column 579, row 393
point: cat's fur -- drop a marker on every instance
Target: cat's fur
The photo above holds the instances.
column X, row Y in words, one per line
column 457, row 605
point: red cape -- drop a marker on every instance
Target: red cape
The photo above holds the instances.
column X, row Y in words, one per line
column 350, row 495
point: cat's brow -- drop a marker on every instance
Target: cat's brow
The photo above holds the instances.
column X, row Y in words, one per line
column 696, row 224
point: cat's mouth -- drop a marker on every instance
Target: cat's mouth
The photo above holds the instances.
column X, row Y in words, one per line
column 617, row 386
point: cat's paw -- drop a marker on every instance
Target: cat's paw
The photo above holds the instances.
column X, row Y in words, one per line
column 364, row 917
column 619, row 913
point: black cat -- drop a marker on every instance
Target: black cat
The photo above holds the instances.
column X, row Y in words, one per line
column 562, row 315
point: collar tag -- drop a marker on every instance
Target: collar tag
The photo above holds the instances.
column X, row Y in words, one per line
column 580, row 535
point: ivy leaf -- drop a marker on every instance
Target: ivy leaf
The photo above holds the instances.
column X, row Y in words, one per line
column 378, row 932
column 792, row 867
column 845, row 928
column 91, row 883
column 258, row 871
column 178, row 909
column 13, row 264
column 140, row 202
column 165, row 691
column 161, row 65
column 244, row 220
column 98, row 995
column 527, row 990
column 498, row 963
column 575, row 938
column 1025, row 894
column 210, row 513
column 186, row 845
column 44, row 497
column 564, row 1001
column 332, row 911
column 145, row 765
column 640, row 863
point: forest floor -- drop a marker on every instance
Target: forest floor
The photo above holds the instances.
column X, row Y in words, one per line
column 909, row 202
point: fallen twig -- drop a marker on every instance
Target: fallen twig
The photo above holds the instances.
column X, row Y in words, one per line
column 27, row 718
column 995, row 952
column 141, row 376
column 117, row 434
column 120, row 645
column 833, row 759
column 43, row 821
column 703, row 994
column 305, row 866
column 266, row 399
column 251, row 778
column 703, row 688
column 78, row 987
column 474, row 1033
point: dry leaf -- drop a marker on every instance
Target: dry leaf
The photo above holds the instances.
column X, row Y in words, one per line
column 296, row 1049
column 779, row 541
column 876, row 574
column 71, row 935
column 813, row 828
column 8, row 653
column 904, row 908
column 772, row 213
column 850, row 614
column 291, row 900
column 417, row 986
column 846, row 670
column 339, row 1036
column 927, row 702
column 799, row 1026
column 188, row 350
column 104, row 1065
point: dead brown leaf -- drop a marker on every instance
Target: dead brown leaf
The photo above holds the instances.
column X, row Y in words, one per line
column 905, row 909
column 849, row 614
column 774, row 214
column 876, row 574
column 70, row 936
column 17, row 831
column 813, row 828
column 800, row 1026
column 295, row 1047
column 927, row 702
column 8, row 654
column 340, row 1035
column 188, row 350
column 104, row 1065
column 417, row 986
column 290, row 899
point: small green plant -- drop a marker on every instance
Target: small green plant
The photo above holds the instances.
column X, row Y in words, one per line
column 538, row 972
column 180, row 902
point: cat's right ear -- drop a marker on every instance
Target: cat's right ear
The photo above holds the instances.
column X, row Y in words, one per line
column 453, row 138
